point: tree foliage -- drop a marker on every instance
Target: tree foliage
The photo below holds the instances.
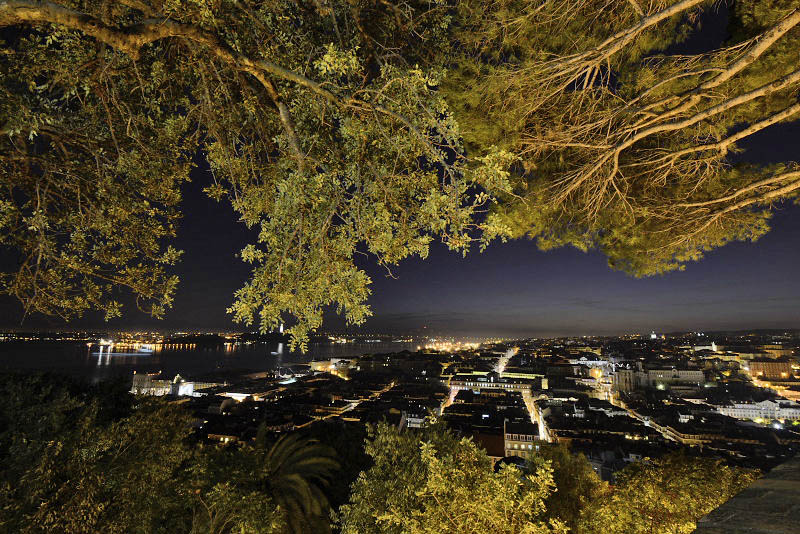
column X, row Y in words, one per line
column 294, row 471
column 665, row 495
column 269, row 487
column 436, row 482
column 71, row 465
column 343, row 128
column 625, row 145
column 346, row 439
column 321, row 121
column 576, row 484
column 80, row 459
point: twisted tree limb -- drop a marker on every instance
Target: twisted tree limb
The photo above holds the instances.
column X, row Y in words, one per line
column 131, row 39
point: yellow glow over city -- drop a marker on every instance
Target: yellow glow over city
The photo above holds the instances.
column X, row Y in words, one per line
column 450, row 346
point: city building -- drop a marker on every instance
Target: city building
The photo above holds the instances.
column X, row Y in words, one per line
column 493, row 380
column 764, row 410
column 520, row 439
column 768, row 368
column 626, row 380
column 154, row 384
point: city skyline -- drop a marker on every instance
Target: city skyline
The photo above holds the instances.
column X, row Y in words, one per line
column 400, row 267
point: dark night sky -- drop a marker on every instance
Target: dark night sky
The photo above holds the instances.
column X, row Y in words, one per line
column 514, row 289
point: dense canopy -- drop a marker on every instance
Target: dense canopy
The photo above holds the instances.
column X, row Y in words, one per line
column 322, row 125
column 626, row 138
column 344, row 128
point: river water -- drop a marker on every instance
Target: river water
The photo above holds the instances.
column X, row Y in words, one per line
column 80, row 361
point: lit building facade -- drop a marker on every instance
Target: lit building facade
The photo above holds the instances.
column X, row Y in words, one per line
column 769, row 369
column 520, row 439
column 767, row 410
column 627, row 380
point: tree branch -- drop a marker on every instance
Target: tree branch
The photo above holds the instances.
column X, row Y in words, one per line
column 130, row 40
column 765, row 40
column 571, row 67
column 286, row 119
column 715, row 216
column 752, row 187
column 763, row 43
column 580, row 176
column 723, row 144
column 138, row 5
column 768, row 88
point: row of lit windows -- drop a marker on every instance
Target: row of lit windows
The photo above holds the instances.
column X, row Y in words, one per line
column 520, row 437
column 493, row 385
column 758, row 414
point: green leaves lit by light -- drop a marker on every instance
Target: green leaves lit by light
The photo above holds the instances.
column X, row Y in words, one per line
column 621, row 148
column 433, row 482
column 330, row 141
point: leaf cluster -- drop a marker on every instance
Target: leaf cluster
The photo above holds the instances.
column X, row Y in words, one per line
column 323, row 125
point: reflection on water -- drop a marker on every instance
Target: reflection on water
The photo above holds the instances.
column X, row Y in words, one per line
column 95, row 365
